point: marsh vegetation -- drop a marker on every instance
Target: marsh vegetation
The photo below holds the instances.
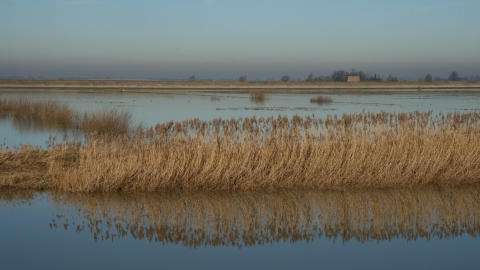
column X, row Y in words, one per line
column 61, row 115
column 364, row 150
column 257, row 96
column 321, row 100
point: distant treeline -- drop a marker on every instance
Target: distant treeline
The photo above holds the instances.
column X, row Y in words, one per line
column 342, row 76
column 336, row 76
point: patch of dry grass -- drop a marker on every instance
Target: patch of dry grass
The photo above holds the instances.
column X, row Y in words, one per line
column 55, row 114
column 107, row 121
column 257, row 97
column 48, row 111
column 365, row 150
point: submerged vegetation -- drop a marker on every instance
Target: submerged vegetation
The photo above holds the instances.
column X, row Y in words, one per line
column 321, row 100
column 257, row 97
column 364, row 150
column 55, row 114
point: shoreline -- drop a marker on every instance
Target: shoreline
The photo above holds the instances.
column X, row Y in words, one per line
column 169, row 87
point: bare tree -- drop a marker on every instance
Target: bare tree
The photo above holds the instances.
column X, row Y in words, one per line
column 242, row 78
column 192, row 78
column 309, row 78
column 327, row 78
column 285, row 78
column 339, row 76
column 428, row 78
column 390, row 78
column 363, row 76
column 454, row 76
column 375, row 78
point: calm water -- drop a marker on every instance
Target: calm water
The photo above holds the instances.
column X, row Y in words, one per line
column 151, row 109
column 396, row 229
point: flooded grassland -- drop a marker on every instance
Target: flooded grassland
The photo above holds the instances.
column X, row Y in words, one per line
column 378, row 148
column 214, row 179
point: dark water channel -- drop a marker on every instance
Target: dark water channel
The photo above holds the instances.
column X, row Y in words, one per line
column 360, row 229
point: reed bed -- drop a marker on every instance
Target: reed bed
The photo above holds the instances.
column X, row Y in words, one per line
column 214, row 98
column 53, row 114
column 257, row 97
column 321, row 100
column 240, row 219
column 364, row 150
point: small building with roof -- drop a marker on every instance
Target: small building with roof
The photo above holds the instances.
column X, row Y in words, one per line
column 353, row 79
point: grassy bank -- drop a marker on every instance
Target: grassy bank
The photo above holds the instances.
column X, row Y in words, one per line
column 366, row 150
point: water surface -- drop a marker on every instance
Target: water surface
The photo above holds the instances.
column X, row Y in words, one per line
column 399, row 229
column 149, row 109
column 358, row 229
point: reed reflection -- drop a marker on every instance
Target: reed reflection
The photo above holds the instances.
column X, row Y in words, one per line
column 33, row 126
column 257, row 218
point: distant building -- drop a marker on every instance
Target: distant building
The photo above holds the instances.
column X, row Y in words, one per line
column 353, row 78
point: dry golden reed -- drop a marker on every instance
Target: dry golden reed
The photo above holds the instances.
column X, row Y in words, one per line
column 364, row 150
column 253, row 218
column 55, row 114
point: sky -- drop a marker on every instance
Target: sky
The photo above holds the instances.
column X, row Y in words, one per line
column 215, row 39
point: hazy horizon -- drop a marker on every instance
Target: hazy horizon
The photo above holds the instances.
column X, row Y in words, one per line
column 219, row 39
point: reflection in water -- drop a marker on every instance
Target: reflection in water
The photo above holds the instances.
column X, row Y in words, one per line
column 28, row 125
column 258, row 218
column 16, row 197
column 25, row 125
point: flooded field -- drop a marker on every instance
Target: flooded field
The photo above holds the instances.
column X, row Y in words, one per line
column 150, row 109
column 417, row 228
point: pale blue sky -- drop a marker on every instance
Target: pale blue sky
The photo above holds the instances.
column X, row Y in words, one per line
column 226, row 39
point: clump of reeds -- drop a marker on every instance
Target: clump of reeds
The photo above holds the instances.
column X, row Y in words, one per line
column 365, row 150
column 55, row 114
column 321, row 100
column 258, row 218
column 214, row 98
column 49, row 111
column 257, row 97
column 107, row 121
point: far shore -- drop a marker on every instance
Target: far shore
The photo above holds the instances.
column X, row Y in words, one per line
column 169, row 87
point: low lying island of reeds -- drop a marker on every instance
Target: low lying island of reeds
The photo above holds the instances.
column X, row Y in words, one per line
column 364, row 150
column 321, row 100
column 62, row 116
